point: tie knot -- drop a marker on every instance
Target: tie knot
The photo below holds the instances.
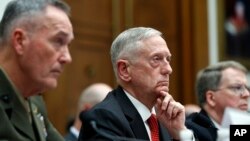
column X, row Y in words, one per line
column 152, row 120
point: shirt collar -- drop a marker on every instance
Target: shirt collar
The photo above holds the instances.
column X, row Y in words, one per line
column 144, row 112
column 217, row 125
column 74, row 131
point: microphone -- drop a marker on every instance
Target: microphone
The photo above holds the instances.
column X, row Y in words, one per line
column 108, row 136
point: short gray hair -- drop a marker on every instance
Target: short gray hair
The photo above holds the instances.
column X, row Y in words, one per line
column 128, row 42
column 209, row 78
column 24, row 11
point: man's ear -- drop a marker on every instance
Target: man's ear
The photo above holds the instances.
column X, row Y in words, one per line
column 123, row 70
column 18, row 40
column 210, row 98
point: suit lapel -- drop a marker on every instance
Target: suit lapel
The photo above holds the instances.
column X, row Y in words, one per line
column 22, row 123
column 13, row 107
column 132, row 115
column 139, row 129
column 208, row 123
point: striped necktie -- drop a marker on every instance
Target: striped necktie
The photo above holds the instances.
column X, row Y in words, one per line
column 153, row 126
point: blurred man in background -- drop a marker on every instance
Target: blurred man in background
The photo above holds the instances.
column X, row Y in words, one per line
column 90, row 96
column 218, row 86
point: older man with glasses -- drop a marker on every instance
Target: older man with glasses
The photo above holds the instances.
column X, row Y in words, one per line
column 218, row 86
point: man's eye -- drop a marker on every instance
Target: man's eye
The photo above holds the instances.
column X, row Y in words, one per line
column 238, row 87
column 59, row 42
column 157, row 58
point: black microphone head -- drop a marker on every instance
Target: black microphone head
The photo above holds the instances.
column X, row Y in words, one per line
column 93, row 124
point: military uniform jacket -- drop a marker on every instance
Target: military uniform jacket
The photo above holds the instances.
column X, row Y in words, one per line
column 19, row 124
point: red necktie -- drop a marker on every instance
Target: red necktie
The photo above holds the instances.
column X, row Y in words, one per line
column 153, row 126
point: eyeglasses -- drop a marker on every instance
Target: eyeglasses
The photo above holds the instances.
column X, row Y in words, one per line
column 237, row 89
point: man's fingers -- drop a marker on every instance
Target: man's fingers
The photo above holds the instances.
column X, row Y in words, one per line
column 166, row 100
column 178, row 107
column 168, row 107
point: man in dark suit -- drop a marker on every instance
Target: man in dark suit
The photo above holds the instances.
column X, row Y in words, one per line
column 89, row 97
column 34, row 38
column 218, row 86
column 141, row 62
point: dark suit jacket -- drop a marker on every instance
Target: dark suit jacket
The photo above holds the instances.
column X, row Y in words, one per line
column 15, row 124
column 116, row 116
column 202, row 126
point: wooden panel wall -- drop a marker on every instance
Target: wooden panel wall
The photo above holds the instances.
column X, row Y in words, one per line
column 194, row 44
column 97, row 22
